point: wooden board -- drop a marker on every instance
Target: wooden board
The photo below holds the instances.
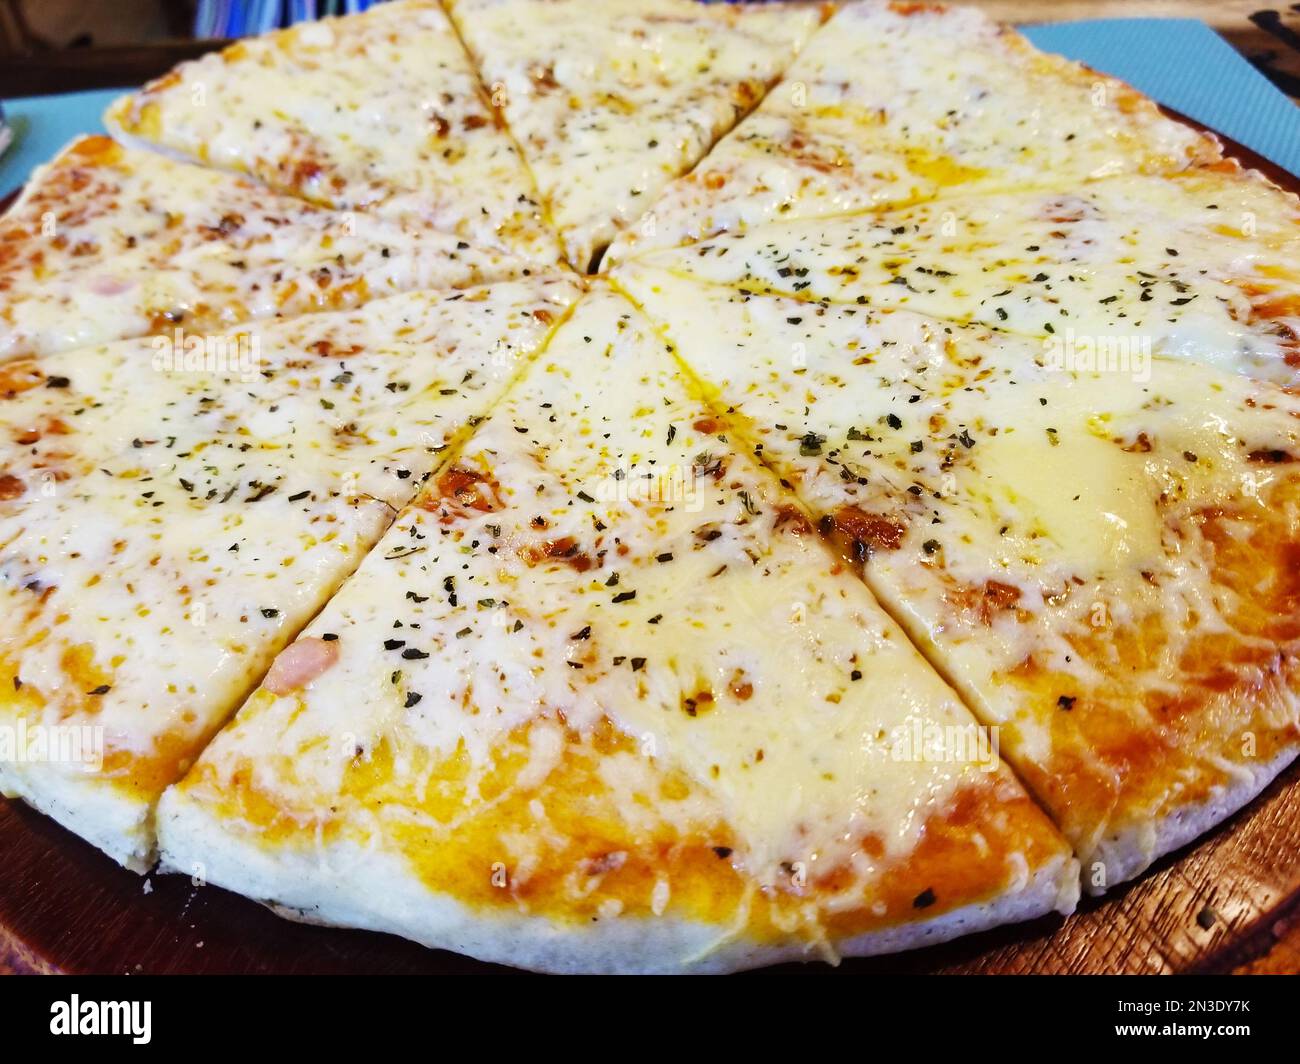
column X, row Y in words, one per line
column 1228, row 903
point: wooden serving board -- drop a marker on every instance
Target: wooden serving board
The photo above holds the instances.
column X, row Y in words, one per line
column 1229, row 903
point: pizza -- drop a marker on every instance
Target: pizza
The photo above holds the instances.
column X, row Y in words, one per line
column 109, row 242
column 610, row 99
column 1199, row 265
column 894, row 104
column 382, row 112
column 173, row 510
column 1103, row 561
column 603, row 684
column 648, row 487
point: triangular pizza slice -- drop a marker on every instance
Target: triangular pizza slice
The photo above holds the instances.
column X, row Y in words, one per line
column 109, row 242
column 381, row 111
column 601, row 700
column 1103, row 563
column 173, row 510
column 1199, row 265
column 893, row 104
column 611, row 99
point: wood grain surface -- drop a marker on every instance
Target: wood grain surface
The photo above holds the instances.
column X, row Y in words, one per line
column 1229, row 903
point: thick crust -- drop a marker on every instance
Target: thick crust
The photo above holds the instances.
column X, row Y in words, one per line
column 108, row 819
column 344, row 885
column 1129, row 848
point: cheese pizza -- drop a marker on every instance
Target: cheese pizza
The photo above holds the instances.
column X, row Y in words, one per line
column 899, row 537
column 108, row 242
column 382, row 112
column 602, row 699
column 173, row 510
column 1103, row 562
column 894, row 104
column 610, row 99
column 1200, row 265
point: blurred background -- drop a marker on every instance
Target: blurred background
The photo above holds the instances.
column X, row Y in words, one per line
column 51, row 46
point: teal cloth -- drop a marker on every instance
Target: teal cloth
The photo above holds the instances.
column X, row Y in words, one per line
column 1181, row 63
column 44, row 124
column 1188, row 67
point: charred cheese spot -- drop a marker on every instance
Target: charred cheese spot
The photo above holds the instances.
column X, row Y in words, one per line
column 465, row 488
column 872, row 531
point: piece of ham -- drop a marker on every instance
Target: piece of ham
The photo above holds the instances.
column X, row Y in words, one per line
column 299, row 663
column 110, row 286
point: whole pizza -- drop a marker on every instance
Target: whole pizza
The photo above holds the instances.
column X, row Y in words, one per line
column 633, row 485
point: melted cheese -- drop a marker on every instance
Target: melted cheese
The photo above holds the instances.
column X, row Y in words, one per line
column 1199, row 266
column 379, row 111
column 1030, row 522
column 611, row 99
column 1100, row 515
column 894, row 105
column 553, row 582
column 108, row 243
column 166, row 527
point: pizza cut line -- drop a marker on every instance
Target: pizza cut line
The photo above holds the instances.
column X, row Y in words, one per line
column 172, row 515
column 611, row 99
column 898, row 539
column 378, row 113
column 108, row 242
column 596, row 706
column 895, row 104
column 1199, row 265
column 1107, row 574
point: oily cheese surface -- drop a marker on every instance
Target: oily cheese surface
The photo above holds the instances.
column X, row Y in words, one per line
column 382, row 112
column 1200, row 266
column 897, row 104
column 562, row 688
column 611, row 99
column 1102, row 562
column 899, row 536
column 170, row 514
column 109, row 242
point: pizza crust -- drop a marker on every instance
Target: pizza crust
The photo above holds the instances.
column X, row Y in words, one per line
column 110, row 820
column 345, row 885
column 1126, row 851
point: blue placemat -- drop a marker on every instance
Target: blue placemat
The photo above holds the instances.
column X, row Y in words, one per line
column 44, row 124
column 1185, row 65
column 1181, row 63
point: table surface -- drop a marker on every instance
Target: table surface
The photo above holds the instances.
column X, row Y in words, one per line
column 1267, row 34
column 1228, row 903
